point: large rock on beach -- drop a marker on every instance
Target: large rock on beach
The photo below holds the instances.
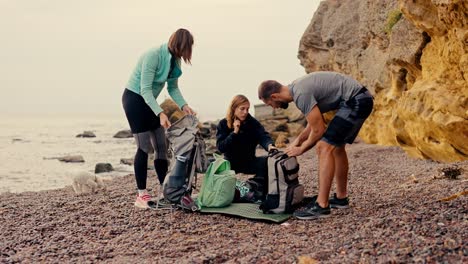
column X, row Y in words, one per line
column 413, row 56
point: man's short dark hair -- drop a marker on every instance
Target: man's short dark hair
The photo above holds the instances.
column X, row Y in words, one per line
column 267, row 88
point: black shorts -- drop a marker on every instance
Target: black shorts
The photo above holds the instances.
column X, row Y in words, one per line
column 139, row 115
column 349, row 118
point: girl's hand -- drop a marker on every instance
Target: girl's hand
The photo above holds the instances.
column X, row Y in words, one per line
column 164, row 121
column 188, row 110
column 236, row 125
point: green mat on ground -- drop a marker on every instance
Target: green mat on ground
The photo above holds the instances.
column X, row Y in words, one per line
column 247, row 210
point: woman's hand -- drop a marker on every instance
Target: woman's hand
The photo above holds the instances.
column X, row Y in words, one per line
column 188, row 110
column 236, row 125
column 164, row 121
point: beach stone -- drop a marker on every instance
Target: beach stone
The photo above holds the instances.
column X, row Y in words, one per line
column 71, row 158
column 281, row 140
column 205, row 131
column 124, row 134
column 295, row 129
column 128, row 161
column 86, row 134
column 103, row 167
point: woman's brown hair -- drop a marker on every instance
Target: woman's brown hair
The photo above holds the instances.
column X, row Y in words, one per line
column 180, row 44
column 236, row 102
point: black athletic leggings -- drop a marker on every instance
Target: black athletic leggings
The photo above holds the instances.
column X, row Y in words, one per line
column 141, row 167
column 149, row 136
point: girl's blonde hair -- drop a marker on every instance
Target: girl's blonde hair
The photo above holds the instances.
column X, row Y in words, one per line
column 236, row 102
column 180, row 44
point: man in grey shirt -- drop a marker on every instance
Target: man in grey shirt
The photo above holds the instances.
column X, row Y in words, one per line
column 315, row 94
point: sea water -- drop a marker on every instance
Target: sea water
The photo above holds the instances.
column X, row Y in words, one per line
column 27, row 143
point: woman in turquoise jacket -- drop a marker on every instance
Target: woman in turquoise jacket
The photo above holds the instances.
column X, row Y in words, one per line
column 155, row 68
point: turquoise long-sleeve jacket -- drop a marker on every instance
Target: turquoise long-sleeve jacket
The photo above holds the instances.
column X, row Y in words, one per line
column 150, row 75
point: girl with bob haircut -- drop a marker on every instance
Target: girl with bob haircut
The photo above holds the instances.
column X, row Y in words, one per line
column 155, row 68
column 237, row 137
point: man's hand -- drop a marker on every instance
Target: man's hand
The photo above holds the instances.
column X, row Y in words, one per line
column 271, row 147
column 164, row 121
column 236, row 125
column 188, row 110
column 293, row 151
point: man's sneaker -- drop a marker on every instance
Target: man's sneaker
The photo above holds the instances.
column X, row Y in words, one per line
column 144, row 202
column 337, row 203
column 312, row 211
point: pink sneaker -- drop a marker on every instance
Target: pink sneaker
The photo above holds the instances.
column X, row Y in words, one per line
column 144, row 202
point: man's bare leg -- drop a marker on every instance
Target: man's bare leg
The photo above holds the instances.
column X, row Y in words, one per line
column 341, row 171
column 326, row 171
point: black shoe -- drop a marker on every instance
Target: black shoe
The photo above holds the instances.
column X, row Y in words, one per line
column 312, row 211
column 339, row 203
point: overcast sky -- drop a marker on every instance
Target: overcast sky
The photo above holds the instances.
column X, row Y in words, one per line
column 75, row 57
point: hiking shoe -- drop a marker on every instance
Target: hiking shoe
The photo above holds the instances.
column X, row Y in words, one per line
column 312, row 211
column 144, row 202
column 339, row 203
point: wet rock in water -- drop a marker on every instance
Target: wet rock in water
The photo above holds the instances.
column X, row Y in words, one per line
column 103, row 167
column 128, row 161
column 124, row 134
column 86, row 134
column 71, row 158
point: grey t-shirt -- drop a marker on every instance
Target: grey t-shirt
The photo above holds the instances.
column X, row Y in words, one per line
column 324, row 89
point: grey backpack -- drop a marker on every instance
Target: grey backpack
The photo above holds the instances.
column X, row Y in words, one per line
column 284, row 189
column 187, row 154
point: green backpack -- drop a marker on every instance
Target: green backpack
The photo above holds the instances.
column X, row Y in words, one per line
column 218, row 186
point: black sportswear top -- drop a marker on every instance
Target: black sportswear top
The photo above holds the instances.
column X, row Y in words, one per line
column 240, row 148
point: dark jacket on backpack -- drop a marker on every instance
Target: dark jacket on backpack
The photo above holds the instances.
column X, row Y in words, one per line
column 240, row 148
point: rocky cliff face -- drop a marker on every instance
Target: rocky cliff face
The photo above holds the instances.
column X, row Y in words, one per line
column 413, row 56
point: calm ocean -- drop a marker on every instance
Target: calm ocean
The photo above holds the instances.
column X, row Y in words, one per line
column 26, row 141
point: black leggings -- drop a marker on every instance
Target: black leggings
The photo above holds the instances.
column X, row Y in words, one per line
column 141, row 167
column 149, row 136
